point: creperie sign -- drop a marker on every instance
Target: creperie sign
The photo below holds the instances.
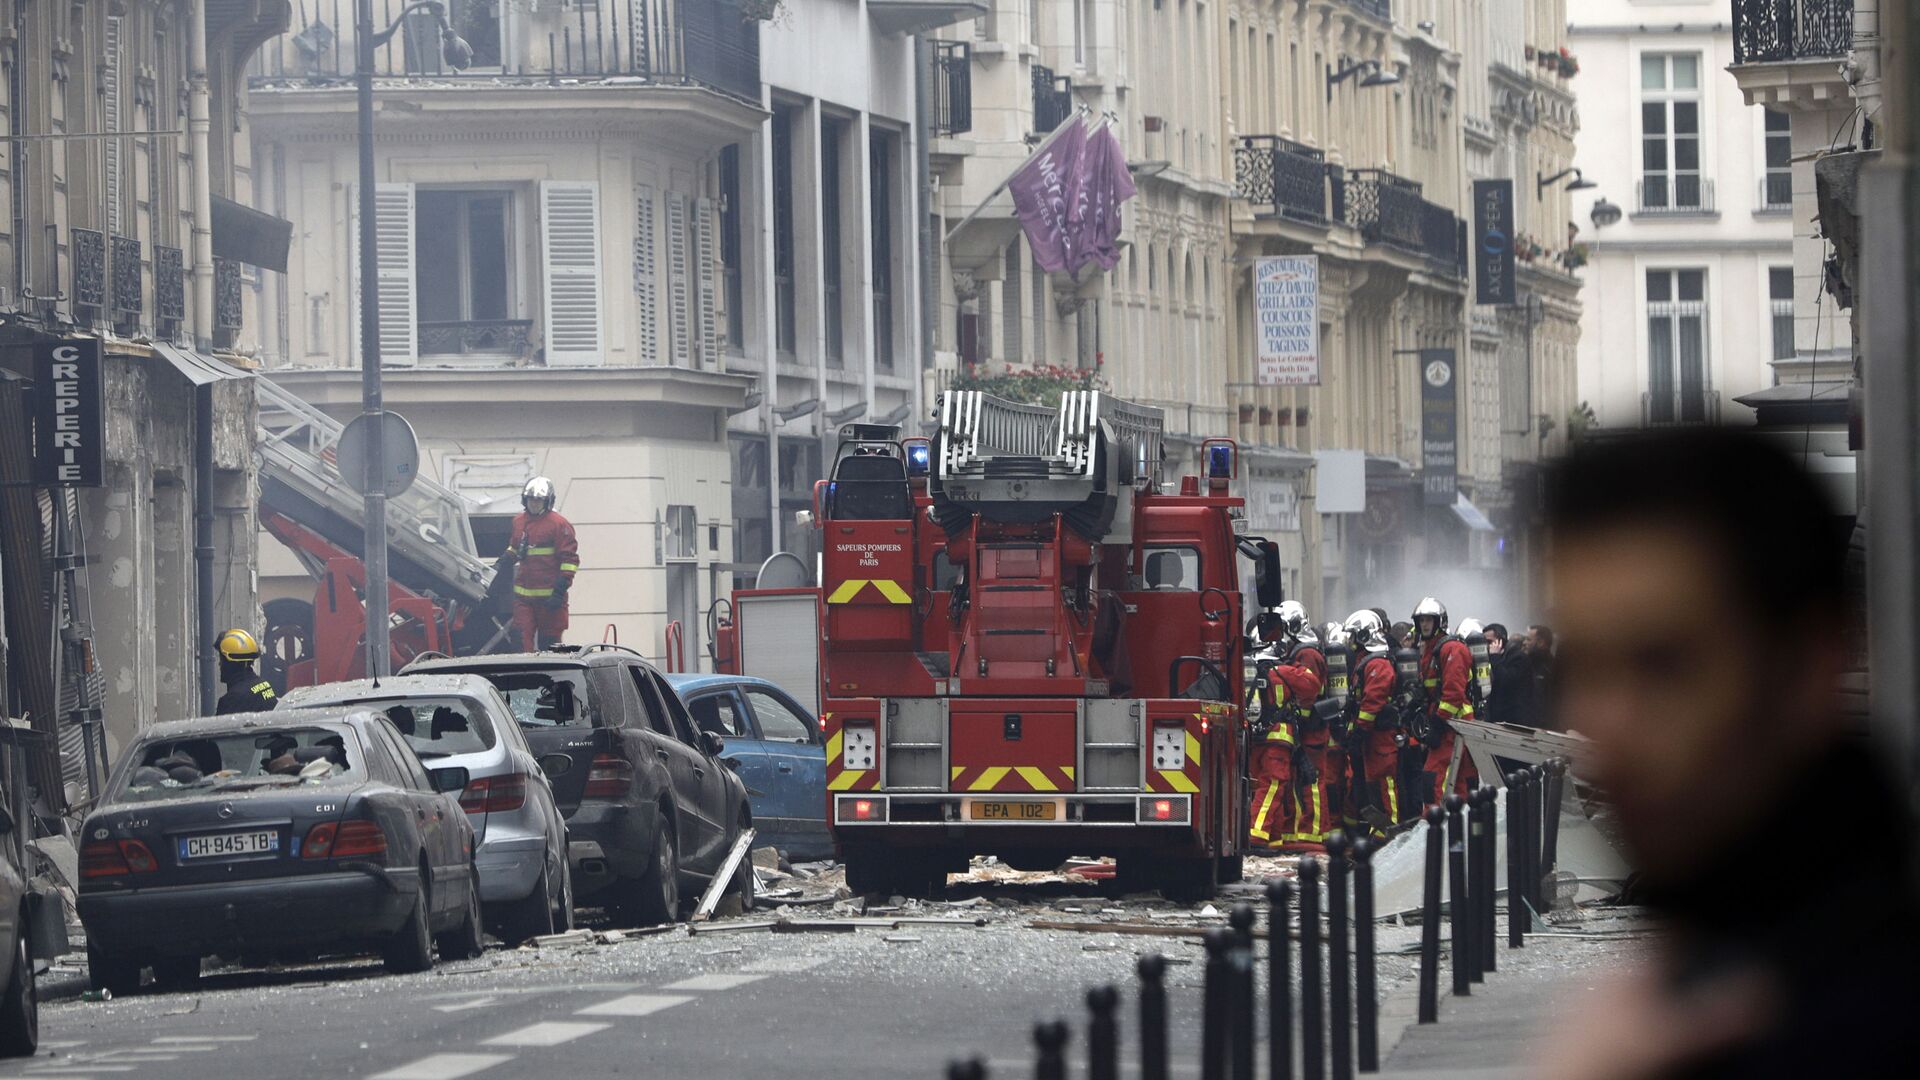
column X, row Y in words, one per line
column 68, row 419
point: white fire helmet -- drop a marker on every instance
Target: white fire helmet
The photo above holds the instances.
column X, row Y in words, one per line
column 1428, row 606
column 537, row 488
column 1293, row 617
column 1364, row 631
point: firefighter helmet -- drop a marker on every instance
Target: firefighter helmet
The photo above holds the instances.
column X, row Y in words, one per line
column 239, row 646
column 1293, row 617
column 1363, row 631
column 1469, row 627
column 1428, row 607
column 537, row 488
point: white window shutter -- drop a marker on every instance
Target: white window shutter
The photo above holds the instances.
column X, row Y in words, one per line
column 646, row 283
column 570, row 266
column 706, row 251
column 679, row 280
column 393, row 242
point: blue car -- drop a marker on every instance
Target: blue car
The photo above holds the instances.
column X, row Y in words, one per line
column 781, row 752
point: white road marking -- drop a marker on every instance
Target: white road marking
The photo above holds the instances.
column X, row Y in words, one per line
column 463, row 1006
column 547, row 1033
column 634, row 1005
column 715, row 981
column 443, row 1067
column 201, row 1039
column 63, row 1044
column 53, row 1070
column 785, row 965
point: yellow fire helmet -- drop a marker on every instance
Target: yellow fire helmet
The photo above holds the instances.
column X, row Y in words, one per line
column 239, row 646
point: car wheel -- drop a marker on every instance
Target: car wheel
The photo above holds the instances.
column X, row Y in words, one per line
column 463, row 942
column 656, row 894
column 563, row 916
column 117, row 975
column 177, row 973
column 411, row 948
column 20, row 1007
column 530, row 916
column 741, row 888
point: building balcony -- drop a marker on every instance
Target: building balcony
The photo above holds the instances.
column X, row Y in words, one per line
column 1379, row 9
column 1388, row 209
column 952, row 88
column 1052, row 99
column 1675, row 196
column 921, row 16
column 1679, row 407
column 1282, row 178
column 700, row 43
column 508, row 340
column 1771, row 31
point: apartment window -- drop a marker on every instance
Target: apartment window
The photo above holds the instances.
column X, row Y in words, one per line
column 880, row 230
column 1776, row 192
column 783, row 307
column 683, row 532
column 1670, row 132
column 1677, row 358
column 1010, row 286
column 832, row 140
column 463, row 270
column 1083, row 34
column 730, row 205
column 1780, row 301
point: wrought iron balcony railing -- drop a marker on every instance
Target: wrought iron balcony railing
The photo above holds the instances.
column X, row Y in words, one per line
column 1387, row 209
column 1679, row 405
column 169, row 284
column 510, row 338
column 711, row 43
column 1773, row 30
column 1379, row 9
column 126, row 276
column 227, row 295
column 1675, row 195
column 89, row 267
column 1052, row 99
column 1282, row 178
column 952, row 87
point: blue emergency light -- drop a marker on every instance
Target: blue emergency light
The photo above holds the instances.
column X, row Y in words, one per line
column 1219, row 462
column 917, row 457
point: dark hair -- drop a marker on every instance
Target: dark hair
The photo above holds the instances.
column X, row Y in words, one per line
column 1777, row 534
column 1543, row 632
column 1495, row 630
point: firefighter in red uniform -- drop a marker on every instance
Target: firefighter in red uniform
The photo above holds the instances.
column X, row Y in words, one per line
column 1446, row 674
column 1275, row 746
column 544, row 555
column 1322, row 772
column 1376, row 723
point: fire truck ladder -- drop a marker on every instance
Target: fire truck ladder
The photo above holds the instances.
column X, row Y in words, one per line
column 430, row 539
column 1020, row 463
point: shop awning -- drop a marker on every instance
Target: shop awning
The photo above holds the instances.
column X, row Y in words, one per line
column 246, row 235
column 1470, row 515
column 199, row 368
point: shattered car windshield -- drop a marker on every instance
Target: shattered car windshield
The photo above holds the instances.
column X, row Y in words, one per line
column 555, row 697
column 436, row 727
column 240, row 761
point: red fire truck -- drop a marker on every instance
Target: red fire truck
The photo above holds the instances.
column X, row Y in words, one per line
column 1030, row 649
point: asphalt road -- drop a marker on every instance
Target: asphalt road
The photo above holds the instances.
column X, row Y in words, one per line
column 871, row 1004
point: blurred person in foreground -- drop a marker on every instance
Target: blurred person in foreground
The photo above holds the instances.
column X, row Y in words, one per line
column 1765, row 833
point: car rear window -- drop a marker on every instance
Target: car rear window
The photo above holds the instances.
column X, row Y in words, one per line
column 550, row 697
column 438, row 727
column 241, row 761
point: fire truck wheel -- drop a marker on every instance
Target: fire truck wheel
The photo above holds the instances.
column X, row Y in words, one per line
column 1232, row 869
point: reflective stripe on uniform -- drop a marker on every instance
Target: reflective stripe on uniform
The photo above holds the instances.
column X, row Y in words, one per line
column 522, row 590
column 543, row 551
column 1367, row 717
column 568, row 568
column 1393, row 799
column 1280, row 735
column 1449, row 709
column 1313, row 828
column 264, row 689
column 1430, row 683
column 1259, row 828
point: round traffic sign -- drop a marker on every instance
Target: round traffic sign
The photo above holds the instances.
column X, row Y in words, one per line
column 402, row 453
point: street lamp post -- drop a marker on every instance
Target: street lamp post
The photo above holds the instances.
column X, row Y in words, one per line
column 374, row 553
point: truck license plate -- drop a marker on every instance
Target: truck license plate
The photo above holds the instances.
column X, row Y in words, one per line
column 232, row 845
column 1013, row 811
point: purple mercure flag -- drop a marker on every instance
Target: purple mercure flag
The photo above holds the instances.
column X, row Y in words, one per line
column 1043, row 199
column 1111, row 184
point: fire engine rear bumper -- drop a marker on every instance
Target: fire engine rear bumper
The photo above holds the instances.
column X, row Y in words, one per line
column 1010, row 813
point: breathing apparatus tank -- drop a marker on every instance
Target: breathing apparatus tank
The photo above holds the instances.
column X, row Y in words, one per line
column 1339, row 668
column 1476, row 642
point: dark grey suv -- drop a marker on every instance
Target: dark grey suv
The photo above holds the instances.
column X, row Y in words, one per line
column 651, row 809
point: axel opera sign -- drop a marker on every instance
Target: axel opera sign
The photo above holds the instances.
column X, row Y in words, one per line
column 1286, row 312
column 69, row 431
column 1493, row 242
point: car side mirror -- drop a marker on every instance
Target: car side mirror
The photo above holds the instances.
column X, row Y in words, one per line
column 1268, row 584
column 556, row 765
column 713, row 744
column 449, row 781
column 733, row 763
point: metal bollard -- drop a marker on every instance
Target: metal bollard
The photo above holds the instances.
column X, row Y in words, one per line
column 1214, row 1005
column 1365, row 992
column 1313, row 1002
column 1103, row 1034
column 1430, row 918
column 1240, row 987
column 1556, row 793
column 1153, row 1017
column 1051, row 1038
column 1476, row 827
column 1459, row 922
column 1339, row 964
column 1530, row 885
column 1516, row 904
column 1486, row 932
column 1279, row 982
column 974, row 1069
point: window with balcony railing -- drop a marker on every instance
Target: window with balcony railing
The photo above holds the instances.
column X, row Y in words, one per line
column 952, row 87
column 1282, row 178
column 463, row 275
column 1052, row 99
column 1678, row 366
column 1780, row 301
column 1766, row 31
column 1670, row 178
column 1776, row 185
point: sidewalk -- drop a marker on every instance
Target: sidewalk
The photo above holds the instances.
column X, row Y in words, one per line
column 1497, row 1032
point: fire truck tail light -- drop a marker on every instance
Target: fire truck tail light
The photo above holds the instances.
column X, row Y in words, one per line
column 855, row 808
column 1165, row 810
column 856, row 747
column 1169, row 747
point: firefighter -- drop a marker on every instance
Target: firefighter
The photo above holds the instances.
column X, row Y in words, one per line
column 1446, row 677
column 1320, row 772
column 1377, row 731
column 544, row 555
column 246, row 690
column 1272, row 759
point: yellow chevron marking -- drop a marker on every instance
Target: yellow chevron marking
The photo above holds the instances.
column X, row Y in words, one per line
column 1179, row 781
column 892, row 591
column 833, row 746
column 957, row 770
column 1036, row 779
column 1193, row 747
column 847, row 591
column 1068, row 769
column 990, row 779
column 846, row 780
